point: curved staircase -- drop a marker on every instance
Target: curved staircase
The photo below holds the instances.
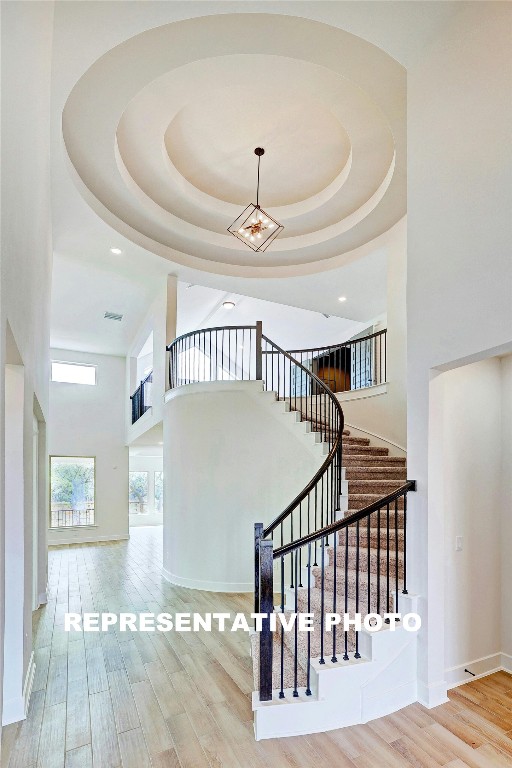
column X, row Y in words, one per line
column 339, row 547
column 371, row 475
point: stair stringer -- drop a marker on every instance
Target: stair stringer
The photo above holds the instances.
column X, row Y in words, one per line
column 348, row 693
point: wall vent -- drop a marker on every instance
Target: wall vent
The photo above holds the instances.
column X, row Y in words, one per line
column 112, row 316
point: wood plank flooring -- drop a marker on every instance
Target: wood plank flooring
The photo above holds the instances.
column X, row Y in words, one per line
column 129, row 700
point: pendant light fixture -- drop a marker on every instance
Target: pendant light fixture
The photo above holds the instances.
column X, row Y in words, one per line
column 254, row 227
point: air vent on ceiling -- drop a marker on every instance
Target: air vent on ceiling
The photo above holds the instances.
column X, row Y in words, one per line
column 112, row 316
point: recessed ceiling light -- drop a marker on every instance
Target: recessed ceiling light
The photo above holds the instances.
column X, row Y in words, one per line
column 117, row 251
column 342, row 298
column 228, row 304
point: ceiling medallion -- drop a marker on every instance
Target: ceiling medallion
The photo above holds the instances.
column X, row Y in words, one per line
column 254, row 227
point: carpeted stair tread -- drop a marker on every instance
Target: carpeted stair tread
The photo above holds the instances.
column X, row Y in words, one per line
column 359, row 501
column 369, row 460
column 364, row 450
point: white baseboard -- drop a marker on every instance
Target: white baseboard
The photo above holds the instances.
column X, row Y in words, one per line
column 66, row 541
column 207, row 586
column 482, row 667
column 16, row 709
column 433, row 694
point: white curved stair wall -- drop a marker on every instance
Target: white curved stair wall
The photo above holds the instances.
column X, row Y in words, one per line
column 240, row 458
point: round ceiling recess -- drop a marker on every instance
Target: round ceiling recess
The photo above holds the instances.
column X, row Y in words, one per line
column 162, row 131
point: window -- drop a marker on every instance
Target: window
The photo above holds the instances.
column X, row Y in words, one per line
column 71, row 491
column 138, row 492
column 159, row 491
column 73, row 373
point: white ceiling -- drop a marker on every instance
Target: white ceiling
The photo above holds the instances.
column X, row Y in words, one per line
column 290, row 327
column 175, row 91
column 337, row 179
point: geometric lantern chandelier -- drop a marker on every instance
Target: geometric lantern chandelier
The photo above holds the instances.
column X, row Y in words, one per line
column 254, row 227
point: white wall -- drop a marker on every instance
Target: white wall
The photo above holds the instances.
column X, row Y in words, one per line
column 385, row 414
column 466, row 472
column 25, row 255
column 459, row 273
column 155, row 323
column 506, row 506
column 149, row 464
column 90, row 421
column 229, row 461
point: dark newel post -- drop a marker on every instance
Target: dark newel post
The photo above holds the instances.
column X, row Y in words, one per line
column 266, row 607
column 258, row 533
column 259, row 355
column 168, row 375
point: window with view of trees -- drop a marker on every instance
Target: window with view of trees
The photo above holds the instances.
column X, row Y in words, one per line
column 71, row 491
column 159, row 491
column 138, row 492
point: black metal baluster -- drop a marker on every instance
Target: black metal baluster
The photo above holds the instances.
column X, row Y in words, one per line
column 385, row 357
column 368, row 547
column 396, row 556
column 281, row 690
column 308, row 673
column 316, row 521
column 300, row 550
column 322, row 595
column 404, row 590
column 345, row 655
column 357, row 655
column 387, row 560
column 378, row 561
column 296, row 649
column 334, row 597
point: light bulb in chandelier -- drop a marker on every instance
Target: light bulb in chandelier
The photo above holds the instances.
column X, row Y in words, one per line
column 254, row 226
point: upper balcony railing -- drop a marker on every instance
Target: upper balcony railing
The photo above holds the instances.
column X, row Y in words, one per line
column 233, row 353
column 354, row 364
column 141, row 398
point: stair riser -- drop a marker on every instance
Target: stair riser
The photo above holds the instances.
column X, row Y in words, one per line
column 359, row 501
column 382, row 487
column 375, row 605
column 369, row 450
column 374, row 538
column 359, row 460
column 363, row 563
column 367, row 473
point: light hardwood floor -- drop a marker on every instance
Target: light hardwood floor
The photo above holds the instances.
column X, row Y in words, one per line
column 128, row 700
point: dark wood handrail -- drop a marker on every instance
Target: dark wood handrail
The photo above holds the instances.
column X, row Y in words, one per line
column 211, row 330
column 347, row 343
column 327, row 530
column 337, row 442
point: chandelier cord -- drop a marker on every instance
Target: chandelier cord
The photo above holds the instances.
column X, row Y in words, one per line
column 258, row 185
